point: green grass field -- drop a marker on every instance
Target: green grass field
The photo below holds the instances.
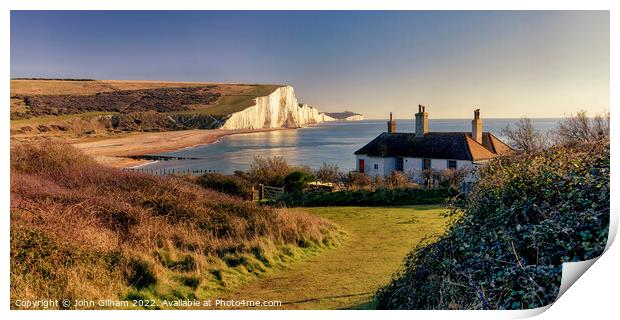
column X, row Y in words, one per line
column 58, row 119
column 233, row 102
column 347, row 277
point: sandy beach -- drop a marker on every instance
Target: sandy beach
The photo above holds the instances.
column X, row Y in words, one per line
column 115, row 152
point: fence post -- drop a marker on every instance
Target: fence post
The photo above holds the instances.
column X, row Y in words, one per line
column 261, row 191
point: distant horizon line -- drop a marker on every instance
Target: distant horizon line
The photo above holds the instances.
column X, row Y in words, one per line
column 494, row 118
column 276, row 84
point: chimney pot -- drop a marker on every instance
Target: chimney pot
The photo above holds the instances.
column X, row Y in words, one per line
column 391, row 125
column 421, row 121
column 476, row 127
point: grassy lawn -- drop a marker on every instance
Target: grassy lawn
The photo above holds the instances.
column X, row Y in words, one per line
column 378, row 240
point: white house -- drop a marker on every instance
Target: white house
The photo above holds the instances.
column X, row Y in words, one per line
column 413, row 152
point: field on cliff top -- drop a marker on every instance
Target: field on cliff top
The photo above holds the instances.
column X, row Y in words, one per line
column 88, row 108
column 35, row 98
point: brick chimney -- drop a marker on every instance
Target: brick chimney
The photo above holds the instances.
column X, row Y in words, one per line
column 421, row 121
column 391, row 125
column 476, row 127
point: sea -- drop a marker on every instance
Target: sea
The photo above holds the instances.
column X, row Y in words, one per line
column 329, row 142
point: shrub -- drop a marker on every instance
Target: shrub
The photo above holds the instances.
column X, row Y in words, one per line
column 140, row 274
column 452, row 178
column 526, row 216
column 83, row 230
column 398, row 179
column 380, row 197
column 355, row 180
column 231, row 185
column 271, row 171
column 329, row 172
column 297, row 180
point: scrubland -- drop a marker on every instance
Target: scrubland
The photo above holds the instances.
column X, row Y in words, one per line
column 80, row 230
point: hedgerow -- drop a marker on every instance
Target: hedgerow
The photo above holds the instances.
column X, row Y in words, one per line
column 505, row 248
column 379, row 197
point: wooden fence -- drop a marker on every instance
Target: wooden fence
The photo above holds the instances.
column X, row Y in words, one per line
column 165, row 172
column 268, row 192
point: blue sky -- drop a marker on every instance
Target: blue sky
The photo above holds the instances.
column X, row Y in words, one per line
column 509, row 64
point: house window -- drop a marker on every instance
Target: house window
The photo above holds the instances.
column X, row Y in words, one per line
column 426, row 164
column 399, row 164
column 376, row 166
column 451, row 164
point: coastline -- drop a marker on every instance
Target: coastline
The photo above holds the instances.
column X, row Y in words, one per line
column 116, row 152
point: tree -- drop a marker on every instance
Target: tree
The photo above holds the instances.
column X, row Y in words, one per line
column 297, row 180
column 270, row 171
column 579, row 129
column 524, row 137
column 328, row 172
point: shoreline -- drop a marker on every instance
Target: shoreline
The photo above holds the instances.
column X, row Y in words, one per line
column 116, row 151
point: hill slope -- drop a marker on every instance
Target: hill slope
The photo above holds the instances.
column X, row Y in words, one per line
column 82, row 230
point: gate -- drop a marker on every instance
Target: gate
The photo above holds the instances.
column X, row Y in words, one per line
column 269, row 192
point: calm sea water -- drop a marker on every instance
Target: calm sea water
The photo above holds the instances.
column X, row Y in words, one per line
column 332, row 142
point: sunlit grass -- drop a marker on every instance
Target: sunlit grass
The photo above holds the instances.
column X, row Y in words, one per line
column 378, row 239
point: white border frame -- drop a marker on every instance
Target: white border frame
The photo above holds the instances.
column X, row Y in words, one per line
column 594, row 294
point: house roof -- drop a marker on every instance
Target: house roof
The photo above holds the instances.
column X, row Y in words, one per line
column 435, row 145
column 494, row 144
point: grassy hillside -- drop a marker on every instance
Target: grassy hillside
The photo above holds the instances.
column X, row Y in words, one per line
column 78, row 108
column 526, row 216
column 230, row 103
column 81, row 230
column 68, row 87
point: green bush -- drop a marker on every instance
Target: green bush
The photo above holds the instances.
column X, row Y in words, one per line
column 231, row 185
column 380, row 197
column 526, row 216
column 140, row 274
column 297, row 180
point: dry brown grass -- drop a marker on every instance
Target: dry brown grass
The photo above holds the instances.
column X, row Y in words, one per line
column 60, row 87
column 82, row 230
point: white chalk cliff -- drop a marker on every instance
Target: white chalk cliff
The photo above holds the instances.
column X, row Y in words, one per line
column 326, row 118
column 278, row 109
column 355, row 117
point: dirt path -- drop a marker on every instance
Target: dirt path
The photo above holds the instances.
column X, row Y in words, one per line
column 347, row 277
